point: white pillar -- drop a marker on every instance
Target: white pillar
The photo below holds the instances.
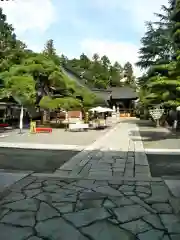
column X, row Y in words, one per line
column 66, row 116
column 21, row 119
column 80, row 117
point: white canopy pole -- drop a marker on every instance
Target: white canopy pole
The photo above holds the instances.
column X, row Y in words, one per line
column 21, row 119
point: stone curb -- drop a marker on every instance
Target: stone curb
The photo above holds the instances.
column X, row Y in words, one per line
column 140, row 154
column 41, row 146
column 162, row 151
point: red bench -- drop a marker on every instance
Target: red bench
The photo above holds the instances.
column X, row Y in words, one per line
column 44, row 130
column 4, row 125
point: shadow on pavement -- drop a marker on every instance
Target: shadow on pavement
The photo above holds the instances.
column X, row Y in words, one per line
column 33, row 159
column 149, row 132
column 93, row 163
column 164, row 165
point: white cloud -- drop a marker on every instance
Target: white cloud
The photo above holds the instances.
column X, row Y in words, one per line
column 138, row 11
column 116, row 51
column 142, row 11
column 29, row 14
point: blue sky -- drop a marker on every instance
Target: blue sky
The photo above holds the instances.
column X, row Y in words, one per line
column 111, row 27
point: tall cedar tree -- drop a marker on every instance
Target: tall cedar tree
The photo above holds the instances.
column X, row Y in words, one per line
column 164, row 83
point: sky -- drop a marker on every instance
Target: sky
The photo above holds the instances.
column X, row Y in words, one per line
column 107, row 27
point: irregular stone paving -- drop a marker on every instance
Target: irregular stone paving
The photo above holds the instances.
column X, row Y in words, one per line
column 54, row 209
column 116, row 155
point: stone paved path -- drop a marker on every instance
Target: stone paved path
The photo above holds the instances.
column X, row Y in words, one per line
column 113, row 155
column 96, row 195
column 9, row 178
column 53, row 209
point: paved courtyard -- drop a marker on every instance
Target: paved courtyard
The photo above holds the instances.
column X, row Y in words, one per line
column 43, row 152
column 157, row 138
column 114, row 155
column 53, row 209
column 58, row 136
column 104, row 192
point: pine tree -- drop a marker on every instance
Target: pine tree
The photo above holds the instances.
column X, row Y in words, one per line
column 116, row 74
column 49, row 48
column 50, row 51
column 95, row 57
column 7, row 40
column 105, row 62
column 85, row 62
column 7, row 36
column 12, row 50
column 164, row 84
column 128, row 73
column 157, row 45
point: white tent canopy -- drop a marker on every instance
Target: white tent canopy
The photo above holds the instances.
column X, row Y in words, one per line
column 101, row 109
column 109, row 110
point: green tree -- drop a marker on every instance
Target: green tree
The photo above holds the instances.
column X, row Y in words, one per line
column 157, row 44
column 63, row 59
column 21, row 88
column 11, row 49
column 118, row 67
column 128, row 72
column 98, row 73
column 36, row 78
column 116, row 73
column 49, row 49
column 66, row 103
column 105, row 62
column 84, row 61
column 7, row 36
column 95, row 57
column 50, row 52
column 164, row 83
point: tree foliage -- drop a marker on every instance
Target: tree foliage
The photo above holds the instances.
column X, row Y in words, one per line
column 50, row 52
column 99, row 72
column 128, row 73
column 157, row 44
column 66, row 103
column 161, row 83
column 36, row 78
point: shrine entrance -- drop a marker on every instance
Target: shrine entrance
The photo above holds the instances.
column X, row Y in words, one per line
column 128, row 112
column 123, row 99
column 125, row 108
